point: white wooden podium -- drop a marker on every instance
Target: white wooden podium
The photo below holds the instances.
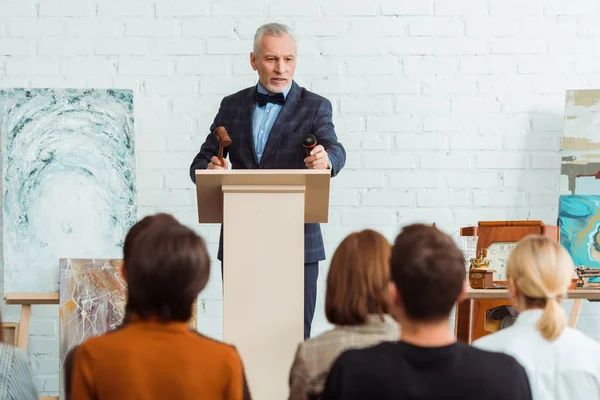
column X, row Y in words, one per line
column 263, row 214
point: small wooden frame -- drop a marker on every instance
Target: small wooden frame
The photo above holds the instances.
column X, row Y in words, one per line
column 10, row 332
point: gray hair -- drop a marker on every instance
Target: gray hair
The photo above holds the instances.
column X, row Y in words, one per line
column 272, row 28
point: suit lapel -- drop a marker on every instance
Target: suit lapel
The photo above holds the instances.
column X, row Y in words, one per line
column 247, row 114
column 285, row 115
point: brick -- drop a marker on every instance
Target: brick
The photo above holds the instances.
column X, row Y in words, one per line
column 87, row 27
column 178, row 179
column 152, row 28
column 16, row 47
column 517, row 46
column 547, row 215
column 176, row 47
column 388, row 161
column 366, row 104
column 369, row 217
column 543, row 199
column 407, row 7
column 475, row 64
column 573, row 7
column 430, row 65
column 445, row 161
column 398, row 123
column 587, row 64
column 124, row 46
column 446, row 123
column 45, row 366
column 387, row 198
column 307, row 66
column 532, row 142
column 535, row 64
column 452, row 85
column 515, row 8
column 65, row 46
column 228, row 47
column 486, row 27
column 181, row 8
column 144, row 66
column 506, row 84
column 151, row 143
column 501, row 160
column 558, row 84
column 545, row 161
column 193, row 103
column 149, row 180
column 442, row 217
column 499, row 199
column 471, row 216
column 67, row 8
column 580, row 45
column 437, row 26
column 478, row 142
column 349, row 9
column 350, row 47
column 34, row 28
column 208, row 27
column 349, row 124
column 380, row 26
column 339, row 85
column 43, row 328
column 87, row 66
column 443, row 199
column 232, row 85
column 172, row 85
column 531, row 179
column 344, row 197
column 461, row 7
column 18, row 8
column 203, row 65
column 293, row 9
column 32, row 66
column 38, row 345
column 476, row 180
column 588, row 27
column 165, row 197
column 360, row 179
column 461, row 45
column 411, row 46
column 370, row 66
column 390, row 84
column 475, row 104
column 503, row 64
column 409, row 141
column 422, row 104
column 118, row 8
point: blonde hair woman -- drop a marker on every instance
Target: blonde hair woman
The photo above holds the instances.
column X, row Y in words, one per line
column 561, row 362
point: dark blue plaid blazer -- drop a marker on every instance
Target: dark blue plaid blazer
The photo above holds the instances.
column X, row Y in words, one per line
column 303, row 112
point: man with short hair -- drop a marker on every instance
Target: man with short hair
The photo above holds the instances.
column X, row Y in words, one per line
column 155, row 354
column 266, row 124
column 428, row 278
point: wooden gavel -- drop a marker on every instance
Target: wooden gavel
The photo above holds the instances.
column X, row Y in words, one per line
column 224, row 141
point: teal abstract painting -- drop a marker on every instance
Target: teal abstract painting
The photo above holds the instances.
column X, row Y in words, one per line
column 579, row 224
column 68, row 176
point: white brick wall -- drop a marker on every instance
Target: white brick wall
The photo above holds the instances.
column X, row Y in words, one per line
column 450, row 110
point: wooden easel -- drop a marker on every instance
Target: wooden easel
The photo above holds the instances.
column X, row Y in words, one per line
column 26, row 300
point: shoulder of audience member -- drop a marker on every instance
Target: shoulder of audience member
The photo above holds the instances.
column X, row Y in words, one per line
column 220, row 348
column 19, row 357
column 495, row 361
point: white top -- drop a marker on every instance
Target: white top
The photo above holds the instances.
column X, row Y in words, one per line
column 565, row 369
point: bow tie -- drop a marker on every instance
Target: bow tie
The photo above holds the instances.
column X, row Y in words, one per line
column 262, row 99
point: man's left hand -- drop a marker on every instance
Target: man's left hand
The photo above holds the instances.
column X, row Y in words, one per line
column 317, row 159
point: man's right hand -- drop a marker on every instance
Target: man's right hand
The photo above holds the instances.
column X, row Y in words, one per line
column 215, row 163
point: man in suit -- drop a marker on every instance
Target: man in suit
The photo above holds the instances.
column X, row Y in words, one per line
column 266, row 124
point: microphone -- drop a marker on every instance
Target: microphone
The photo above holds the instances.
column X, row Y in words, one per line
column 309, row 141
column 224, row 141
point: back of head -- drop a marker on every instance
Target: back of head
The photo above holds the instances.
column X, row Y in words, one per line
column 357, row 279
column 542, row 270
column 428, row 270
column 166, row 266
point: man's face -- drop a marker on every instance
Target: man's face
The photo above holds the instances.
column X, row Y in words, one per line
column 275, row 62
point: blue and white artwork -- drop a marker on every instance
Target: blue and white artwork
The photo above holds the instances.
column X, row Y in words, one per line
column 579, row 224
column 68, row 180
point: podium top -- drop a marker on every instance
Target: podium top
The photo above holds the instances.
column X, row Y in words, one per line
column 210, row 182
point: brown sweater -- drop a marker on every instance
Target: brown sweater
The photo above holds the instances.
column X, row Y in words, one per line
column 150, row 360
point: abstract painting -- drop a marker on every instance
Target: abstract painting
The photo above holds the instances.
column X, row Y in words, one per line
column 68, row 180
column 92, row 300
column 579, row 224
column 93, row 296
column 580, row 169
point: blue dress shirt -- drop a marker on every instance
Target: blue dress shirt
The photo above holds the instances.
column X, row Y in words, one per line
column 263, row 120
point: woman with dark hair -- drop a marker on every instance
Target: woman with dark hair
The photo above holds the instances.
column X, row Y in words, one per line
column 16, row 380
column 356, row 303
column 155, row 355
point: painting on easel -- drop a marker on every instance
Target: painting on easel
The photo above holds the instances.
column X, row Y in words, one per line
column 579, row 223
